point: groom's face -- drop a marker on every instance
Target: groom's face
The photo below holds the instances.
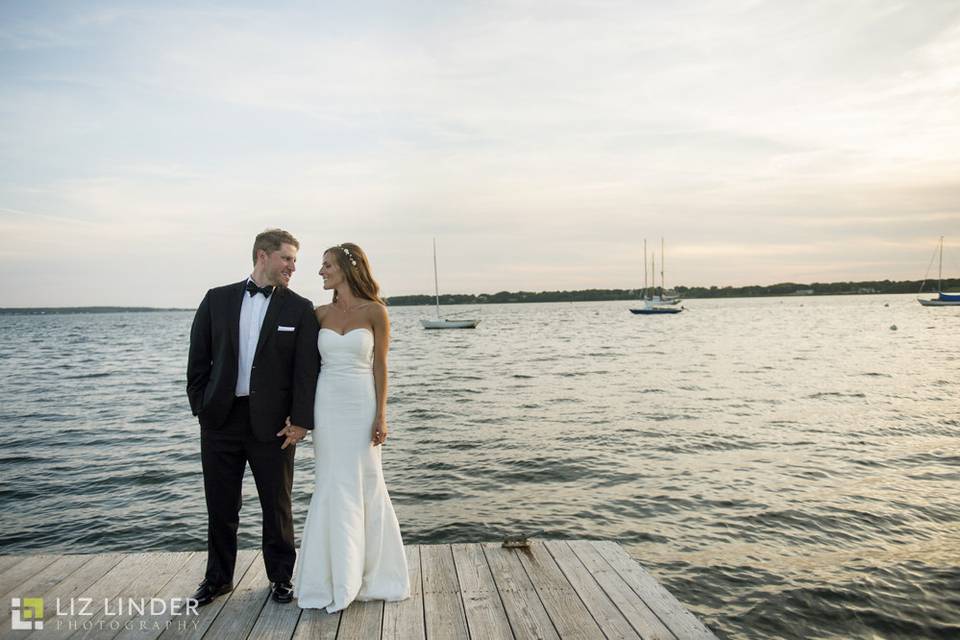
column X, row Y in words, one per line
column 280, row 265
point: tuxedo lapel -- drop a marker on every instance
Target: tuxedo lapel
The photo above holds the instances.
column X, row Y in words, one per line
column 236, row 300
column 269, row 325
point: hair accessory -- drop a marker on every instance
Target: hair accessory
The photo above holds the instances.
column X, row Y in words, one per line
column 349, row 255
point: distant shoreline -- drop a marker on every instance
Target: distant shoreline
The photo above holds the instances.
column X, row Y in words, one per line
column 784, row 289
column 39, row 311
column 787, row 289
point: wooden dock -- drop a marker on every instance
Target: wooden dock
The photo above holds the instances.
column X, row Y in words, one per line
column 555, row 589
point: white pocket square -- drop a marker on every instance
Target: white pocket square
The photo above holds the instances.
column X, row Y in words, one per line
column 283, row 328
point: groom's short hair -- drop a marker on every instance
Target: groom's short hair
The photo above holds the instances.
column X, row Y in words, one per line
column 270, row 241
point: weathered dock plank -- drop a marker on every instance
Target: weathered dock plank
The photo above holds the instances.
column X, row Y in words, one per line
column 442, row 603
column 115, row 582
column 570, row 616
column 44, row 580
column 156, row 570
column 197, row 626
column 182, row 585
column 528, row 618
column 276, row 622
column 76, row 584
column 404, row 620
column 643, row 620
column 14, row 579
column 317, row 624
column 674, row 615
column 144, row 585
column 8, row 561
column 361, row 620
column 603, row 610
column 486, row 617
column 554, row 590
column 245, row 605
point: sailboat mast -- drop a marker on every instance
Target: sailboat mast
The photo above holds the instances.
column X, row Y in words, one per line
column 436, row 285
column 644, row 268
column 940, row 272
column 653, row 273
column 663, row 286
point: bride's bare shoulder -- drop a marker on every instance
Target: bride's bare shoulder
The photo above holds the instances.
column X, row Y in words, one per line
column 377, row 313
column 376, row 308
column 321, row 312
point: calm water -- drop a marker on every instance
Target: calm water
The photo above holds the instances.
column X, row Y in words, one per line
column 787, row 467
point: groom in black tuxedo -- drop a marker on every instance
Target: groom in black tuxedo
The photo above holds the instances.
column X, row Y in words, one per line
column 253, row 364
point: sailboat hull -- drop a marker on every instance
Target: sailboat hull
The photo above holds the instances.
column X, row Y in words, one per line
column 939, row 303
column 655, row 311
column 449, row 324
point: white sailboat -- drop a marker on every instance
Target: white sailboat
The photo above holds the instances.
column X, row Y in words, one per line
column 663, row 297
column 942, row 299
column 440, row 322
column 655, row 303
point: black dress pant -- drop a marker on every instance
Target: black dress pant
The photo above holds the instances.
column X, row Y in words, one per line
column 224, row 454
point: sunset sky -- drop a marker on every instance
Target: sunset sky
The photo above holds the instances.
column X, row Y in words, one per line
column 143, row 145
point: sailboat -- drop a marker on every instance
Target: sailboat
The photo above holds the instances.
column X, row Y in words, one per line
column 440, row 322
column 663, row 297
column 943, row 299
column 655, row 303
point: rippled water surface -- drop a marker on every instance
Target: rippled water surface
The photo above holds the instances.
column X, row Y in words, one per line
column 787, row 467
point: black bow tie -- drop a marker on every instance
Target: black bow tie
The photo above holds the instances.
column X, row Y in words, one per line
column 254, row 289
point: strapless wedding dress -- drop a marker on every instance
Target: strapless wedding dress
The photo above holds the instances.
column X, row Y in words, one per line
column 351, row 549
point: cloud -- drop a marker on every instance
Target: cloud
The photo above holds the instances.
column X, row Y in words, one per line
column 540, row 142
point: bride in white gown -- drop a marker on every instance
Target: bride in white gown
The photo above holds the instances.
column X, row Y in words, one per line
column 351, row 549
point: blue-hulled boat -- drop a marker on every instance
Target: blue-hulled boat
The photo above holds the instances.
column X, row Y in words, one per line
column 653, row 310
column 943, row 299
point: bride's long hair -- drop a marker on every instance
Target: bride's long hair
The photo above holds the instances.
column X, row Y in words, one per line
column 356, row 269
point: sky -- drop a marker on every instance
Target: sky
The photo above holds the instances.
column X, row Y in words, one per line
column 143, row 145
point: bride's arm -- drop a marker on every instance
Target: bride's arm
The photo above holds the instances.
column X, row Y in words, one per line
column 381, row 344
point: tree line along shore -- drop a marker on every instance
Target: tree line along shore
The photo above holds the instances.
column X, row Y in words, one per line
column 752, row 291
column 590, row 295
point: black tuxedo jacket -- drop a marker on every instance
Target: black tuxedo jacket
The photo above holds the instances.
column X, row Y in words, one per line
column 283, row 379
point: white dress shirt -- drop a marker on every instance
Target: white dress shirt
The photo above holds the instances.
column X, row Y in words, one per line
column 252, row 310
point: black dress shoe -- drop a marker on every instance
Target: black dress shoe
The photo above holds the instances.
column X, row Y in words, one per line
column 207, row 591
column 282, row 592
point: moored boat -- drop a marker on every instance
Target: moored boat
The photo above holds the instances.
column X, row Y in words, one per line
column 943, row 298
column 656, row 302
column 440, row 322
column 447, row 323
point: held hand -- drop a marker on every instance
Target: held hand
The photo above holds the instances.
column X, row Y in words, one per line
column 293, row 433
column 379, row 435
